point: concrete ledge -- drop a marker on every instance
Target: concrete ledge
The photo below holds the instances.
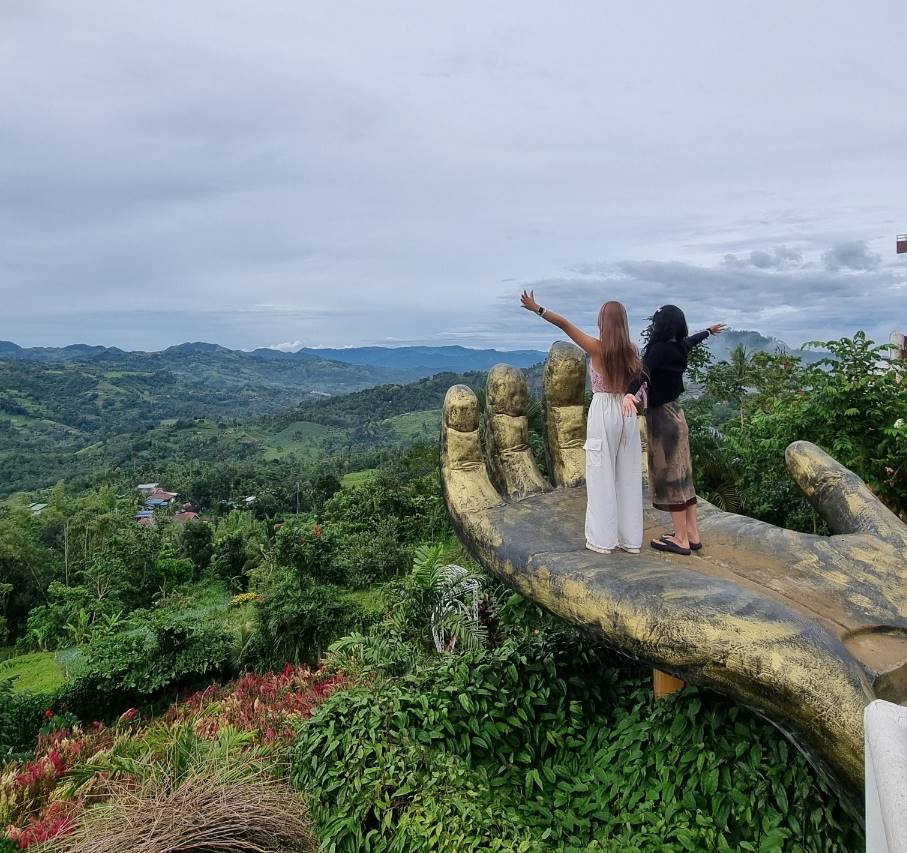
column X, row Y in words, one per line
column 886, row 777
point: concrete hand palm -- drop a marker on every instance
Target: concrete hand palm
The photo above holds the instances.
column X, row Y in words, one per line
column 806, row 628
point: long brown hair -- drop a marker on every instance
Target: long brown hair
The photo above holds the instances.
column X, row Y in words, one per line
column 620, row 357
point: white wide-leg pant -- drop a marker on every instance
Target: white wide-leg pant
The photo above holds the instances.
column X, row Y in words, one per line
column 613, row 476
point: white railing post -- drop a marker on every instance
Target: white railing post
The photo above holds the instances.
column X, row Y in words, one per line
column 885, row 726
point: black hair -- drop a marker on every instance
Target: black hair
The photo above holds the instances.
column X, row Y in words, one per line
column 668, row 324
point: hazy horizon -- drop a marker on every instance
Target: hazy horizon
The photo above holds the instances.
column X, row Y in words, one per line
column 293, row 347
column 352, row 175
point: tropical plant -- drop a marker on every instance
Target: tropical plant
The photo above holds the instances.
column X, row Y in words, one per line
column 438, row 601
column 298, row 618
column 542, row 743
column 852, row 404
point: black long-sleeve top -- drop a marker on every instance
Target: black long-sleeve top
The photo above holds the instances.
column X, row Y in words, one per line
column 665, row 363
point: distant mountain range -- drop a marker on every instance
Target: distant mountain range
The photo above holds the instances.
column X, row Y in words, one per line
column 434, row 359
column 410, row 361
column 405, row 363
column 67, row 411
column 721, row 346
column 288, row 377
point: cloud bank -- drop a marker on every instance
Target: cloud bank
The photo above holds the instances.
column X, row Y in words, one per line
column 353, row 173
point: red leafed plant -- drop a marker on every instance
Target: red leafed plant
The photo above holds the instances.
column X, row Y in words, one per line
column 27, row 790
column 56, row 821
column 270, row 704
column 37, row 807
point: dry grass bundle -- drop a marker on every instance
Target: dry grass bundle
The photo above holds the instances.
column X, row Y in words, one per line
column 203, row 814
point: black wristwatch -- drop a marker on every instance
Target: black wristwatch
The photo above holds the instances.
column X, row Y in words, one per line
column 541, row 310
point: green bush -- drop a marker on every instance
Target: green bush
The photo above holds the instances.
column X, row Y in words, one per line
column 541, row 744
column 154, row 652
column 851, row 404
column 195, row 542
column 308, row 548
column 21, row 716
column 298, row 618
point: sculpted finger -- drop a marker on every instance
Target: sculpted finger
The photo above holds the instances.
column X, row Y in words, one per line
column 507, row 433
column 464, row 479
column 839, row 495
column 565, row 422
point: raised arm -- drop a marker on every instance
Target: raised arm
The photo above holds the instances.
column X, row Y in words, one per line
column 694, row 340
column 577, row 335
column 699, row 337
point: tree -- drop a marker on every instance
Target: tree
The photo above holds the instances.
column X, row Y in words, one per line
column 196, row 544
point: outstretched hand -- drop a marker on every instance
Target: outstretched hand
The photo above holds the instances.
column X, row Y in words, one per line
column 528, row 301
column 717, row 329
column 807, row 629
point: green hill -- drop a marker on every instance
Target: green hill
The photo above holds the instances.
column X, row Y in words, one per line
column 84, row 421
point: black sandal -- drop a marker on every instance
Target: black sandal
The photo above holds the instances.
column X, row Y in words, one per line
column 670, row 547
column 694, row 546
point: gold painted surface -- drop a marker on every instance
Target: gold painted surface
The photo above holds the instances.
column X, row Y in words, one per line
column 564, row 385
column 510, row 460
column 506, row 390
column 464, row 480
column 808, row 629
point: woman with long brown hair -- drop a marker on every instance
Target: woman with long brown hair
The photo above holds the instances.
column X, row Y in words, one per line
column 614, row 517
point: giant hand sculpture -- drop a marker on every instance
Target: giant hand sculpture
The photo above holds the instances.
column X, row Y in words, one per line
column 807, row 629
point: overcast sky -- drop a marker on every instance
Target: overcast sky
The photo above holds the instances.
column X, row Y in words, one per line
column 335, row 173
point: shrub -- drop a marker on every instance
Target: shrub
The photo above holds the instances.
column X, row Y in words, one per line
column 541, row 744
column 154, row 652
column 271, row 705
column 31, row 806
column 81, row 786
column 195, row 541
column 298, row 618
column 21, row 717
column 308, row 548
column 232, row 734
column 851, row 404
column 52, row 625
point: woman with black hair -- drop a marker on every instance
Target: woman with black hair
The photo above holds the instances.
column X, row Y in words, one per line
column 670, row 467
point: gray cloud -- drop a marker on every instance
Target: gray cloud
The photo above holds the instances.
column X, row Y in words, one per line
column 851, row 255
column 779, row 257
column 352, row 173
column 795, row 304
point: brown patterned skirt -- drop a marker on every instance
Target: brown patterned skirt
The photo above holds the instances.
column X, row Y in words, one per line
column 670, row 468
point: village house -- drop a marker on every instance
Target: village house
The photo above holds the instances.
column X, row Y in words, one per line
column 157, row 498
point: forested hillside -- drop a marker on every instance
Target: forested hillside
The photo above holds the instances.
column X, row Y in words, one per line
column 337, row 655
column 86, row 412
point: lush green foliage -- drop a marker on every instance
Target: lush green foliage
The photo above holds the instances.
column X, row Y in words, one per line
column 542, row 743
column 153, row 653
column 520, row 734
column 852, row 404
column 21, row 716
column 299, row 617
